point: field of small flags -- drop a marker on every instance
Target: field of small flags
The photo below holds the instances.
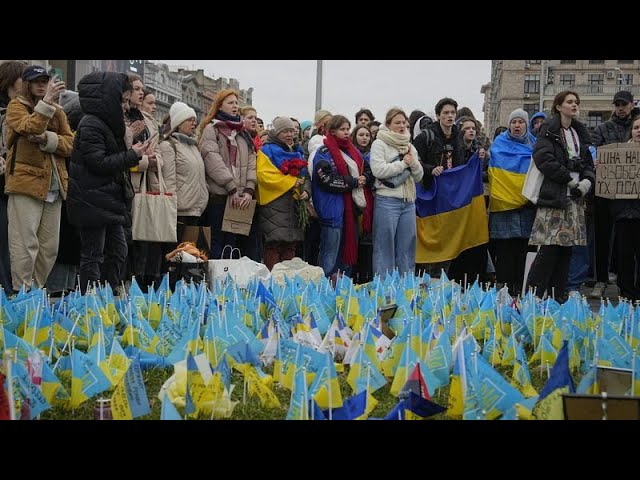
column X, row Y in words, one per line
column 305, row 351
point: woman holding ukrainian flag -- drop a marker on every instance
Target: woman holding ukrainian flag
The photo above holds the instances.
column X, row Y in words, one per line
column 510, row 214
column 282, row 181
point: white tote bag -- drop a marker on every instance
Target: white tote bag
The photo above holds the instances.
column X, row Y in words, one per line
column 155, row 214
column 241, row 269
column 532, row 183
column 531, row 256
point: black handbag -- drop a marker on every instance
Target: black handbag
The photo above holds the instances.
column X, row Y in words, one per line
column 196, row 272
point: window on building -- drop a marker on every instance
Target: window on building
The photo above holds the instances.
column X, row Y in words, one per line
column 568, row 79
column 595, row 82
column 530, row 108
column 533, row 62
column 598, row 62
column 595, row 79
column 594, row 119
column 626, row 61
column 532, row 84
column 572, row 62
column 625, row 79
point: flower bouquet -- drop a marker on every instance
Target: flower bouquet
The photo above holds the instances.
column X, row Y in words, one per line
column 297, row 167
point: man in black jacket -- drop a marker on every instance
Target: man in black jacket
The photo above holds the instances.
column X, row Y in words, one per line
column 440, row 147
column 615, row 130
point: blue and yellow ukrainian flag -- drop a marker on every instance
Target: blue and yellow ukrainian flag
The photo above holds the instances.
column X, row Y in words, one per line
column 129, row 399
column 451, row 214
column 272, row 183
column 508, row 167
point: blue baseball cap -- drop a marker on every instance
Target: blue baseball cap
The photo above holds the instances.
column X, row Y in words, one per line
column 34, row 71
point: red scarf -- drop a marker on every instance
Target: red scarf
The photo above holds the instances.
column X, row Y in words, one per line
column 350, row 244
column 257, row 142
column 226, row 127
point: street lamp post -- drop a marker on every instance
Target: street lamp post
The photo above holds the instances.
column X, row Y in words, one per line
column 319, row 85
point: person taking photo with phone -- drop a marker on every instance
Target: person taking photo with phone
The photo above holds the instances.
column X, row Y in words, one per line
column 38, row 140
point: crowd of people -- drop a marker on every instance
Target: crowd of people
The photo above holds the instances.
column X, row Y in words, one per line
column 341, row 195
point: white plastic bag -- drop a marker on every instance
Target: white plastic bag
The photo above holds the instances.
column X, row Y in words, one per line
column 241, row 269
column 532, row 183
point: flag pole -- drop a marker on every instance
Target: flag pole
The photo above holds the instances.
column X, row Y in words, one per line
column 8, row 362
column 633, row 374
column 366, row 401
column 329, row 387
column 305, row 404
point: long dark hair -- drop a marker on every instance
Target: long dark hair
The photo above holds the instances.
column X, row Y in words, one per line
column 354, row 138
column 560, row 98
column 10, row 72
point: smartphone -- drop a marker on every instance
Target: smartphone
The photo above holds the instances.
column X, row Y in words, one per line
column 56, row 72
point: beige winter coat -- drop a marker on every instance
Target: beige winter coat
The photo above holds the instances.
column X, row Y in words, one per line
column 183, row 172
column 30, row 165
column 221, row 180
column 153, row 184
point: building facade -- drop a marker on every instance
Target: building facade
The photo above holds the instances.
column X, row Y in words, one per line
column 199, row 90
column 532, row 85
column 169, row 83
column 165, row 85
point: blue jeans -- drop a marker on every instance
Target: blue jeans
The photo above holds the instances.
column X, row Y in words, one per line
column 394, row 235
column 330, row 249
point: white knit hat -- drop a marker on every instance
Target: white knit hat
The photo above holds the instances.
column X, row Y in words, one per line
column 179, row 112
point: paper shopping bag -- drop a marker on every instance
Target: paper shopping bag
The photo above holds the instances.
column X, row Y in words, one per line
column 238, row 221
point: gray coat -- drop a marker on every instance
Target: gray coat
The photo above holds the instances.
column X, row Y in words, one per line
column 279, row 219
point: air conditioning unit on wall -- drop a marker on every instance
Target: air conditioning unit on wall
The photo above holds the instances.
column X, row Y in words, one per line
column 526, row 95
column 611, row 74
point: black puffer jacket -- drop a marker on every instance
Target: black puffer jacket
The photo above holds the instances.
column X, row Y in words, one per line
column 552, row 159
column 615, row 130
column 100, row 190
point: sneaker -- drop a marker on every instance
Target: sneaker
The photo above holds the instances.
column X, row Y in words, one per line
column 598, row 290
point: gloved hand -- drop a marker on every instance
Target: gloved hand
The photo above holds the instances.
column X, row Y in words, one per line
column 573, row 183
column 581, row 189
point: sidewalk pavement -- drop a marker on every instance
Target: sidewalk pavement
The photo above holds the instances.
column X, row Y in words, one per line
column 611, row 292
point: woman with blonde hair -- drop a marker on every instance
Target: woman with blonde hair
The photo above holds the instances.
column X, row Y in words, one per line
column 230, row 162
column 395, row 164
column 39, row 139
column 250, row 119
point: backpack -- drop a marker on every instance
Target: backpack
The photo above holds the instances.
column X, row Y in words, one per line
column 422, row 125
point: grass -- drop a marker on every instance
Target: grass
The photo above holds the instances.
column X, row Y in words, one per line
column 250, row 408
